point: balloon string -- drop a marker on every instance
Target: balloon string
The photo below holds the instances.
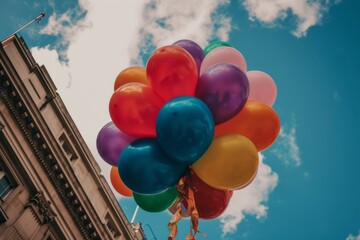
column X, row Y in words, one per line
column 192, row 211
column 172, row 225
column 194, row 215
column 185, row 182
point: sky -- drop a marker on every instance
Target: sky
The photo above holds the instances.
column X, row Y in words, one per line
column 308, row 183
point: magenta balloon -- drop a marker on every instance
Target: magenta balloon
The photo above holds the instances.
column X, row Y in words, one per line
column 225, row 89
column 223, row 55
column 262, row 87
column 111, row 142
column 193, row 48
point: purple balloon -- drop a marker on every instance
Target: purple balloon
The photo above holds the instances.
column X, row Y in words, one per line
column 110, row 143
column 193, row 48
column 225, row 89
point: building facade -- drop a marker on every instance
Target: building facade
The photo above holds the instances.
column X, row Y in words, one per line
column 50, row 184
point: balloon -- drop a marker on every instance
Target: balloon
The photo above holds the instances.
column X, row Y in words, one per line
column 156, row 202
column 230, row 162
column 256, row 121
column 174, row 207
column 185, row 128
column 210, row 202
column 134, row 108
column 131, row 74
column 111, row 141
column 145, row 168
column 262, row 87
column 225, row 89
column 223, row 54
column 193, row 48
column 214, row 45
column 118, row 184
column 172, row 72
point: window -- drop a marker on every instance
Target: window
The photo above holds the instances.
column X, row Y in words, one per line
column 111, row 226
column 8, row 181
column 67, row 147
column 5, row 184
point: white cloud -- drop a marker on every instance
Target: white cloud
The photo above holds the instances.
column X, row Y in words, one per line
column 98, row 48
column 222, row 32
column 166, row 21
column 67, row 26
column 286, row 147
column 58, row 69
column 307, row 13
column 352, row 237
column 250, row 200
column 64, row 25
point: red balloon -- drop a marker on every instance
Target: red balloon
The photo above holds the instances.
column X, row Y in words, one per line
column 210, row 202
column 134, row 108
column 172, row 72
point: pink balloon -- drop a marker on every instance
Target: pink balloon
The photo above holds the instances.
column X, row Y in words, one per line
column 262, row 87
column 223, row 55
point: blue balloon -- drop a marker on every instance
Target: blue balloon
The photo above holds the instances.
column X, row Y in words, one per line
column 146, row 169
column 185, row 129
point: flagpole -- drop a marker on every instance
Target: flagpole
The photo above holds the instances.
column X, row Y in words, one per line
column 37, row 19
column 135, row 213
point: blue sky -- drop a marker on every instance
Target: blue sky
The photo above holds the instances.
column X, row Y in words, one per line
column 309, row 184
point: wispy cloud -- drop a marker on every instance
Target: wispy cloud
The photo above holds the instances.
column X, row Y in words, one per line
column 352, row 237
column 286, row 147
column 250, row 200
column 307, row 13
column 166, row 21
column 337, row 97
column 67, row 26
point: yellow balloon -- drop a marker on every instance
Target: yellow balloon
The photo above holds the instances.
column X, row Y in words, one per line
column 131, row 74
column 231, row 162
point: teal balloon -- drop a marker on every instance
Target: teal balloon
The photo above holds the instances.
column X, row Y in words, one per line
column 185, row 129
column 156, row 202
column 214, row 45
column 146, row 169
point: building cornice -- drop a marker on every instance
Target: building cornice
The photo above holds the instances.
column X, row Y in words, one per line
column 31, row 132
column 38, row 135
column 46, row 158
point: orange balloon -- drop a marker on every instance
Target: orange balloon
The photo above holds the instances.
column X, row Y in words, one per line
column 118, row 184
column 256, row 121
column 131, row 74
column 134, row 108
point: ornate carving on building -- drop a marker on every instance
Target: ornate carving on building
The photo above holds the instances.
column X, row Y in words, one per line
column 41, row 207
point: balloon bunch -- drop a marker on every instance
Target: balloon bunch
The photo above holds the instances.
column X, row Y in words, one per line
column 186, row 130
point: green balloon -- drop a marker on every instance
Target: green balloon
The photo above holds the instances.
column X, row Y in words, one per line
column 156, row 202
column 214, row 45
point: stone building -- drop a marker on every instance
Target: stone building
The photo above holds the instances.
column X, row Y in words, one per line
column 50, row 184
